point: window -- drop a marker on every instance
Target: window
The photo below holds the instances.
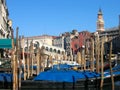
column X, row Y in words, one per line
column 55, row 50
column 58, row 51
column 47, row 48
column 50, row 49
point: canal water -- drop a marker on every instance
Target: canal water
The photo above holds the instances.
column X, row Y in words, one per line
column 117, row 87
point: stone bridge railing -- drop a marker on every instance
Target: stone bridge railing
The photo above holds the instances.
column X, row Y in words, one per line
column 53, row 54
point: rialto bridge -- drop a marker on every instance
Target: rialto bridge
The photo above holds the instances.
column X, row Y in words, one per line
column 49, row 50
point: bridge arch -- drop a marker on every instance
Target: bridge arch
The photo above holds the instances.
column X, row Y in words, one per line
column 54, row 50
column 51, row 50
column 47, row 49
column 58, row 52
column 36, row 43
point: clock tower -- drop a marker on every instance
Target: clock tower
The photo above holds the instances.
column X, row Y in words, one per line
column 100, row 22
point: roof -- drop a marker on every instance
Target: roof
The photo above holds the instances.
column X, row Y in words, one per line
column 100, row 12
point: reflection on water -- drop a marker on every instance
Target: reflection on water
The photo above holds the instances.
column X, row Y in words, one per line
column 117, row 85
column 107, row 87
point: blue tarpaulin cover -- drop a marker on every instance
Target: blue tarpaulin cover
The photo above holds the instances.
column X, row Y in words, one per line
column 59, row 76
column 64, row 75
column 62, row 66
column 5, row 77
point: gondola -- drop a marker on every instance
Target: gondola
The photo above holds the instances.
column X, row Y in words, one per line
column 63, row 77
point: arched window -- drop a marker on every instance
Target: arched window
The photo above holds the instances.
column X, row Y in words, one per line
column 58, row 51
column 43, row 47
column 55, row 50
column 63, row 52
column 51, row 50
column 36, row 44
column 47, row 49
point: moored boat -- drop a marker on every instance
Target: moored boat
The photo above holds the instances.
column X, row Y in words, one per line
column 62, row 76
column 70, row 79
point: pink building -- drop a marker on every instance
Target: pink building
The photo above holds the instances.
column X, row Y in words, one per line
column 78, row 42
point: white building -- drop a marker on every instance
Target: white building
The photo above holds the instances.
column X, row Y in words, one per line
column 46, row 41
column 5, row 28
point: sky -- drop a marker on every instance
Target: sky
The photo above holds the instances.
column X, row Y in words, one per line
column 54, row 17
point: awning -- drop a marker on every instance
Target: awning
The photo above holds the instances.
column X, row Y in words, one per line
column 6, row 43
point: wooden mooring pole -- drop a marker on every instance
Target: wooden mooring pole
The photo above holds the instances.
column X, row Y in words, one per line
column 111, row 72
column 31, row 58
column 20, row 64
column 102, row 64
column 23, row 56
column 28, row 66
column 92, row 55
column 38, row 60
column 79, row 58
column 14, row 61
column 97, row 49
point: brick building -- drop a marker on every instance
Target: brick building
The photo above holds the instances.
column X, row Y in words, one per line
column 78, row 42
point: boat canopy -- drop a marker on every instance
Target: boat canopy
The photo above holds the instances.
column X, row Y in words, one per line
column 6, row 43
column 60, row 73
column 6, row 77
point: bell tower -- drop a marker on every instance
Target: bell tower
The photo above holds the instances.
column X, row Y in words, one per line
column 100, row 22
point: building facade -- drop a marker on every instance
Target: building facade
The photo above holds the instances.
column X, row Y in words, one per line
column 110, row 34
column 58, row 41
column 80, row 41
column 43, row 41
column 5, row 23
column 67, row 41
